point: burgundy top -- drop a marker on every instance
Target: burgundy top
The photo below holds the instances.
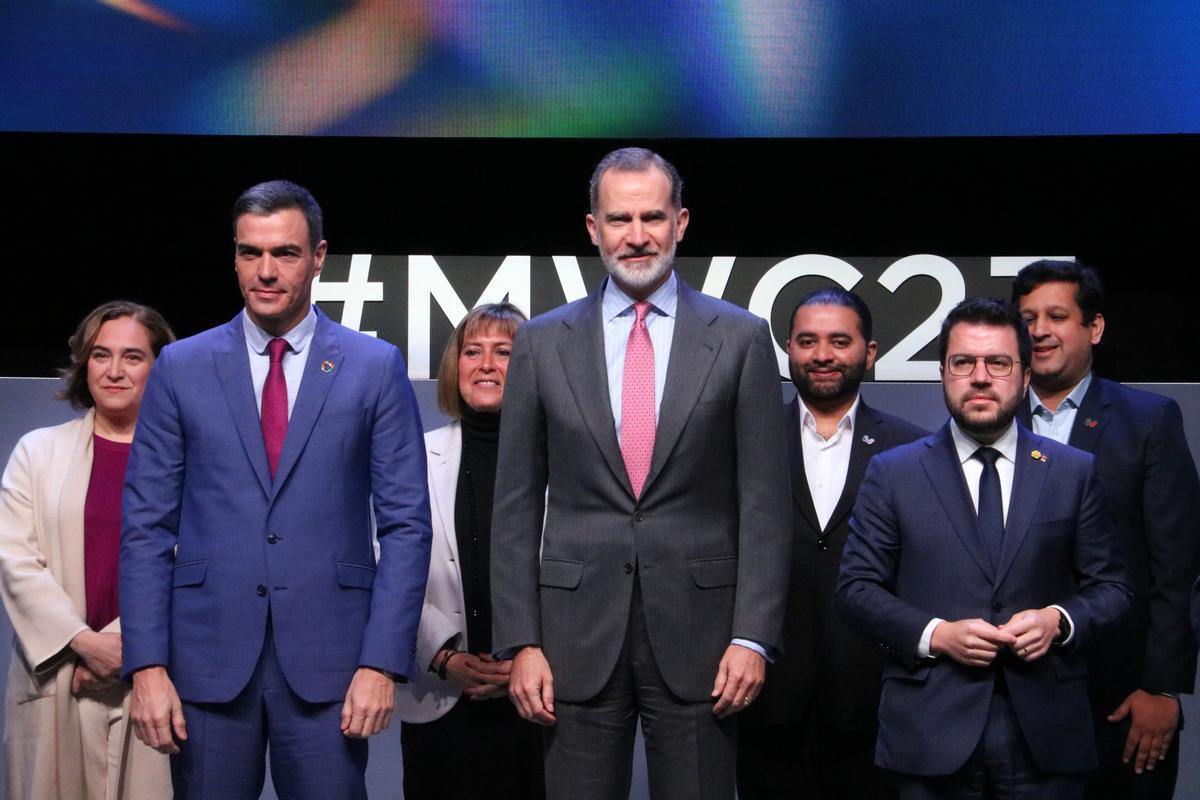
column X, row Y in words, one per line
column 102, row 529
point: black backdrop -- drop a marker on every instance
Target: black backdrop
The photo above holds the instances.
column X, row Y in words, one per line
column 94, row 217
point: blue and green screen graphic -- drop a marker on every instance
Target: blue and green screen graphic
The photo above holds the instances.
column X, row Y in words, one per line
column 675, row 68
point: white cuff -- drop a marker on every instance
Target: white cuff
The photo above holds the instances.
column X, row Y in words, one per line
column 926, row 638
column 1070, row 624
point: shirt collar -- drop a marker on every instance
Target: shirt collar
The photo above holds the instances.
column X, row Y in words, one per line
column 297, row 338
column 966, row 446
column 807, row 420
column 663, row 299
column 1074, row 399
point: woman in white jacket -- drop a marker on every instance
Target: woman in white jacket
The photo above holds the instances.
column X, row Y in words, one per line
column 460, row 735
column 60, row 519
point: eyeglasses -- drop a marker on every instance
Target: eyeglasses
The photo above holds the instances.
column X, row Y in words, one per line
column 961, row 365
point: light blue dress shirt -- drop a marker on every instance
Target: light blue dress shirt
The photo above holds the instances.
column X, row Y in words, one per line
column 1057, row 425
column 619, row 316
column 298, row 339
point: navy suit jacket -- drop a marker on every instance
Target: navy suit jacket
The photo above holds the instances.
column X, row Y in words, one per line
column 1150, row 480
column 826, row 667
column 209, row 540
column 915, row 552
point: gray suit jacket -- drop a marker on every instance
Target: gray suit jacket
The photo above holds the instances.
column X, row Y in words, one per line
column 709, row 540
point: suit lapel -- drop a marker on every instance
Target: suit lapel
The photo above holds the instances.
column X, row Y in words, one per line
column 77, row 474
column 1029, row 476
column 942, row 467
column 233, row 371
column 581, row 351
column 1024, row 414
column 694, row 348
column 801, row 495
column 1091, row 418
column 445, row 456
column 869, row 439
column 310, row 399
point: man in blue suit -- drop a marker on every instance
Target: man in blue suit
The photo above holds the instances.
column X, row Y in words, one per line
column 252, row 605
column 985, row 561
column 1136, row 676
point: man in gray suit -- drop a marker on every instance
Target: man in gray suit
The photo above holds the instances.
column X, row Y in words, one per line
column 642, row 423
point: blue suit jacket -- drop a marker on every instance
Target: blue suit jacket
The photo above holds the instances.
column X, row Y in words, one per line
column 915, row 552
column 209, row 540
column 1150, row 481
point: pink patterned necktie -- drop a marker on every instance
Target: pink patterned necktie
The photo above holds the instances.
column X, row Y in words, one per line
column 275, row 404
column 637, row 402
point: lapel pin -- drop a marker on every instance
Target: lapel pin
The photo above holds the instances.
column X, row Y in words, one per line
column 1037, row 455
column 1091, row 423
column 327, row 366
column 868, row 439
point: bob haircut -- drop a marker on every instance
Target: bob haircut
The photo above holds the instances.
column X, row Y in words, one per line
column 504, row 316
column 75, row 376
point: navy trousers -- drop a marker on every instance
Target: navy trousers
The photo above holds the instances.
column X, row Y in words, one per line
column 224, row 756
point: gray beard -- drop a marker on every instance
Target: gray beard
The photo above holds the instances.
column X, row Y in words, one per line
column 640, row 278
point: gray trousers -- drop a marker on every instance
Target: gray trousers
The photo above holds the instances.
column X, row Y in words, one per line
column 690, row 754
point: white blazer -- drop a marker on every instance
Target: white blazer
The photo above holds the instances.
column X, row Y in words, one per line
column 47, row 754
column 443, row 617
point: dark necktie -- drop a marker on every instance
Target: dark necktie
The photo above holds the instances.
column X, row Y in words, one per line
column 275, row 404
column 637, row 401
column 991, row 509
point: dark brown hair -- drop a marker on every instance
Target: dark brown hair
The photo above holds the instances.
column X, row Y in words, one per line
column 75, row 391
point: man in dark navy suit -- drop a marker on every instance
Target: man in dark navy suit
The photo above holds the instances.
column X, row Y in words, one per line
column 985, row 560
column 1150, row 480
column 812, row 731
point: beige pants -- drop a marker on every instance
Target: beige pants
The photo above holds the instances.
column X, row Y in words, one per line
column 116, row 766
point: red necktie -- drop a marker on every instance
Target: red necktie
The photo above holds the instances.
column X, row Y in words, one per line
column 275, row 404
column 637, row 401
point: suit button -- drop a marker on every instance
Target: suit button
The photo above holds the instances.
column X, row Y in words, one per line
column 639, row 516
column 272, row 538
column 824, row 545
column 628, row 568
column 261, row 591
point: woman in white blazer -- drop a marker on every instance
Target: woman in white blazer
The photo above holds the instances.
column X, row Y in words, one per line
column 65, row 706
column 460, row 736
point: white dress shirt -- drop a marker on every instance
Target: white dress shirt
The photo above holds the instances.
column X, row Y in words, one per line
column 294, row 359
column 826, row 461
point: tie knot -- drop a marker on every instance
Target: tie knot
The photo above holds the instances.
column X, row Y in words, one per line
column 641, row 308
column 276, row 348
column 988, row 455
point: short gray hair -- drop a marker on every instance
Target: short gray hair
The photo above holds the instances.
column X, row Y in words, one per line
column 635, row 159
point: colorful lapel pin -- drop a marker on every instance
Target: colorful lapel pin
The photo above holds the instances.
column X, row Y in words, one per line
column 327, row 366
column 1091, row 423
column 1038, row 455
column 868, row 439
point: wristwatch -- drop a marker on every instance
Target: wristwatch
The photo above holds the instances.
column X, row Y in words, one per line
column 391, row 676
column 1064, row 627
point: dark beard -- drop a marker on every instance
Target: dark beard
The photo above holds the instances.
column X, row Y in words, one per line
column 813, row 393
column 987, row 428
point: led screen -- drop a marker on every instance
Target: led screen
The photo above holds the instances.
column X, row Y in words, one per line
column 569, row 68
